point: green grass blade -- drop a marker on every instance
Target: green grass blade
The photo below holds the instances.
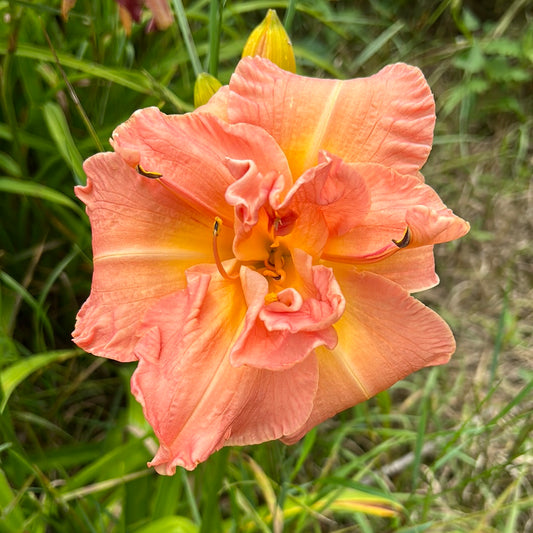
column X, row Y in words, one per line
column 289, row 16
column 14, row 374
column 169, row 524
column 127, row 78
column 377, row 44
column 216, row 8
column 36, row 190
column 11, row 518
column 60, row 133
column 187, row 36
column 23, row 294
column 9, row 165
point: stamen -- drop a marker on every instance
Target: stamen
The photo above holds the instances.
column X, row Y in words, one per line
column 218, row 262
column 405, row 240
column 147, row 173
column 271, row 297
column 275, row 244
column 275, row 263
column 276, row 276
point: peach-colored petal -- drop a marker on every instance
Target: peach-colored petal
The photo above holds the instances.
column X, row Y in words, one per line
column 429, row 226
column 384, row 335
column 322, row 300
column 252, row 195
column 253, row 190
column 397, row 202
column 327, row 200
column 387, row 118
column 189, row 152
column 279, row 333
column 192, row 396
column 412, row 268
column 144, row 238
column 278, row 403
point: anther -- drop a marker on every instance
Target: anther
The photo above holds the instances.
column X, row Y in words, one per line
column 271, row 297
column 218, row 262
column 276, row 276
column 216, row 226
column 147, row 173
column 405, row 240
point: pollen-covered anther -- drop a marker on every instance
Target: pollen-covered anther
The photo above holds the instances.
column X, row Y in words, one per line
column 405, row 240
column 275, row 275
column 147, row 173
column 218, row 262
column 271, row 297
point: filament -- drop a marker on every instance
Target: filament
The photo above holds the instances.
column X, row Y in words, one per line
column 218, row 262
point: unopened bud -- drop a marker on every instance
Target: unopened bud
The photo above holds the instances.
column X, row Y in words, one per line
column 270, row 40
column 205, row 87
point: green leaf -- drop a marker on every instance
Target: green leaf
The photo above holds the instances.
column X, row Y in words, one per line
column 11, row 517
column 9, row 165
column 169, row 524
column 60, row 133
column 36, row 190
column 377, row 44
column 14, row 374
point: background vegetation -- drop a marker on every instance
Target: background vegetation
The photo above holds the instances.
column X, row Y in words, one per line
column 447, row 450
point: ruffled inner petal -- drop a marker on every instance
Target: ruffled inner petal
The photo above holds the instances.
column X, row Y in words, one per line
column 397, row 202
column 430, row 226
column 335, row 189
column 327, row 201
column 251, row 191
column 279, row 334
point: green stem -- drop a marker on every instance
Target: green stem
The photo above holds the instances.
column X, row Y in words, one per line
column 190, row 497
column 289, row 16
column 187, row 36
column 213, row 473
column 215, row 20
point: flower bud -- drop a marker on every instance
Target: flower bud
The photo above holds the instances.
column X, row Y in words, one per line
column 205, row 87
column 270, row 40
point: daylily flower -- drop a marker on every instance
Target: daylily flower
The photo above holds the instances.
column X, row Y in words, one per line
column 256, row 256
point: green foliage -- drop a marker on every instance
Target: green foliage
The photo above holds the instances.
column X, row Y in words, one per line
column 446, row 450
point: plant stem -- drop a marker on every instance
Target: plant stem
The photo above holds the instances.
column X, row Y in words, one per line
column 187, row 36
column 289, row 16
column 216, row 8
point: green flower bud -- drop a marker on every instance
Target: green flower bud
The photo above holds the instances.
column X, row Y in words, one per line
column 205, row 87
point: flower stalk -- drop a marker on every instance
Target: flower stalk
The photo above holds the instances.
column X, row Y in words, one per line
column 187, row 36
